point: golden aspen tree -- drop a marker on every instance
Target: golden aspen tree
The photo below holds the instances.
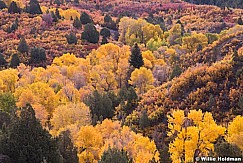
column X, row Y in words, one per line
column 69, row 114
column 142, row 79
column 235, row 131
column 191, row 131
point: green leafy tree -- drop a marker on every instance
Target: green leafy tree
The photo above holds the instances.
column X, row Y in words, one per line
column 37, row 55
column 115, row 156
column 23, row 46
column 101, row 106
column 77, row 23
column 105, row 32
column 136, row 59
column 225, row 149
column 128, row 99
column 71, row 38
column 176, row 71
column 85, row 18
column 14, row 62
column 66, row 147
column 7, row 102
column 34, row 7
column 27, row 141
column 13, row 8
column 90, row 34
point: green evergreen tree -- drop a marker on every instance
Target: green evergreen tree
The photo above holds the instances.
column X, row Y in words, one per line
column 90, row 34
column 77, row 23
column 71, row 38
column 115, row 156
column 37, row 55
column 14, row 62
column 85, row 18
column 3, row 62
column 105, row 32
column 136, row 59
column 13, row 8
column 23, row 46
column 34, row 7
column 27, row 141
column 2, row 5
column 66, row 147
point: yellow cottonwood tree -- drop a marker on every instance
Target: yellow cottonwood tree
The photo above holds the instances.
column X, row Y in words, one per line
column 235, row 131
column 9, row 79
column 197, row 130
column 142, row 79
column 89, row 143
column 191, row 43
column 69, row 114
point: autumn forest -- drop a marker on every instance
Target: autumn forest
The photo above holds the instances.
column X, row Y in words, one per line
column 121, row 81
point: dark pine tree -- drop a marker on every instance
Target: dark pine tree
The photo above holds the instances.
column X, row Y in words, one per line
column 107, row 18
column 104, row 40
column 136, row 59
column 37, row 55
column 90, row 34
column 57, row 2
column 34, row 7
column 54, row 17
column 77, row 23
column 14, row 62
column 71, row 38
column 144, row 121
column 240, row 21
column 13, row 8
column 85, row 18
column 27, row 141
column 2, row 5
column 76, row 1
column 66, row 148
column 3, row 62
column 115, row 156
column 57, row 13
column 105, row 32
column 23, row 46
